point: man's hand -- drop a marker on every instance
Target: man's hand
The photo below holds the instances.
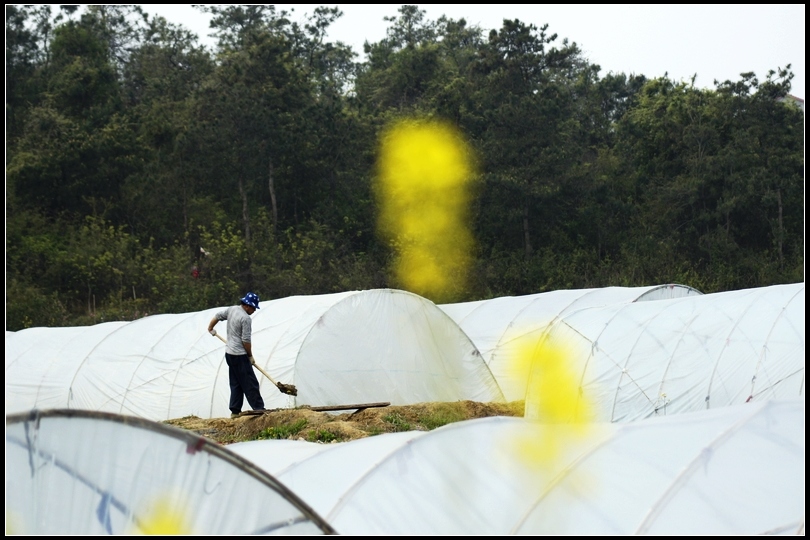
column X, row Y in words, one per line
column 252, row 361
column 213, row 332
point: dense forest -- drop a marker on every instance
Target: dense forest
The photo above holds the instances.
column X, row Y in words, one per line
column 148, row 174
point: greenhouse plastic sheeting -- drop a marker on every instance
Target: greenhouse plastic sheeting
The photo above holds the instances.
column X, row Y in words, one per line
column 655, row 358
column 493, row 325
column 274, row 455
column 380, row 345
column 345, row 467
column 90, row 473
column 737, row 470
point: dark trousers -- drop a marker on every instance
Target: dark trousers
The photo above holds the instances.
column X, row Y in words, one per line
column 243, row 383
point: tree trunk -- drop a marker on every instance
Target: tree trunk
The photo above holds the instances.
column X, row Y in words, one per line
column 272, row 188
column 245, row 212
column 780, row 235
column 527, row 243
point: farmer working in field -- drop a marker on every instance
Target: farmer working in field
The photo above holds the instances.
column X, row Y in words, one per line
column 239, row 353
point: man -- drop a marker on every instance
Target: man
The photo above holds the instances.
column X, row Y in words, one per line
column 239, row 353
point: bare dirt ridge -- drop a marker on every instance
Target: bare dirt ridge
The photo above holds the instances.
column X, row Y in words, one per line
column 327, row 427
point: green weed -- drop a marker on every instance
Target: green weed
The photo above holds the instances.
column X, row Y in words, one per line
column 282, row 432
column 322, row 435
column 397, row 421
column 440, row 417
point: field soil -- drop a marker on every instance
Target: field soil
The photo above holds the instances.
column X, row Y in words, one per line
column 327, row 427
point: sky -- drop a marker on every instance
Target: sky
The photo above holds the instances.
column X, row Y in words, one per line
column 712, row 41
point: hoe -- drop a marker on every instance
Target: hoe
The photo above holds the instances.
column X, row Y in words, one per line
column 288, row 389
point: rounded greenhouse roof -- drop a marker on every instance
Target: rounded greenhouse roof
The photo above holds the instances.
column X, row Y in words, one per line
column 645, row 359
column 736, row 470
column 84, row 472
column 493, row 325
column 381, row 345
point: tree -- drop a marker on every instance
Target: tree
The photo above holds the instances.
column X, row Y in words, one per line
column 159, row 86
column 119, row 27
column 237, row 26
column 711, row 193
column 77, row 147
column 28, row 33
column 402, row 67
column 524, row 112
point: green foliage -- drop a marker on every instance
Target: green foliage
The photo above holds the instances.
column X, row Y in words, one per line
column 322, row 436
column 312, row 260
column 397, row 421
column 284, row 431
column 446, row 414
column 94, row 267
column 28, row 306
column 698, row 159
column 129, row 147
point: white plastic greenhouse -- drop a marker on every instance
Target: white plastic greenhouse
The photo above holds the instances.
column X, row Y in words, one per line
column 371, row 346
column 737, row 470
column 493, row 325
column 734, row 470
column 687, row 354
column 87, row 473
column 699, row 402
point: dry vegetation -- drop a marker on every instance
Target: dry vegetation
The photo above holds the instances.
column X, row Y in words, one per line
column 326, row 427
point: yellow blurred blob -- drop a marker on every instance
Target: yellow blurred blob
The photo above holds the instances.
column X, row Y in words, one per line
column 13, row 524
column 423, row 191
column 553, row 396
column 164, row 517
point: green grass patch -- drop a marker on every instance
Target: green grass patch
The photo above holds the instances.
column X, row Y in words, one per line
column 396, row 420
column 322, row 436
column 441, row 417
column 282, row 432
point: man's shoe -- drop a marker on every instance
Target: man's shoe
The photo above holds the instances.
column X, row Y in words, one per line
column 235, row 414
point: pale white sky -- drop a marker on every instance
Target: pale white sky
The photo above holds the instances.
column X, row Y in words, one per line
column 713, row 41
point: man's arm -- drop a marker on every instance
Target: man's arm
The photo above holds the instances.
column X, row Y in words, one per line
column 211, row 326
column 248, row 349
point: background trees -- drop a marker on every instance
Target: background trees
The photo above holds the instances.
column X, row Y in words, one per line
column 147, row 174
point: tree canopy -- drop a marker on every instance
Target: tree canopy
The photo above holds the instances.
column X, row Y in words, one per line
column 146, row 173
